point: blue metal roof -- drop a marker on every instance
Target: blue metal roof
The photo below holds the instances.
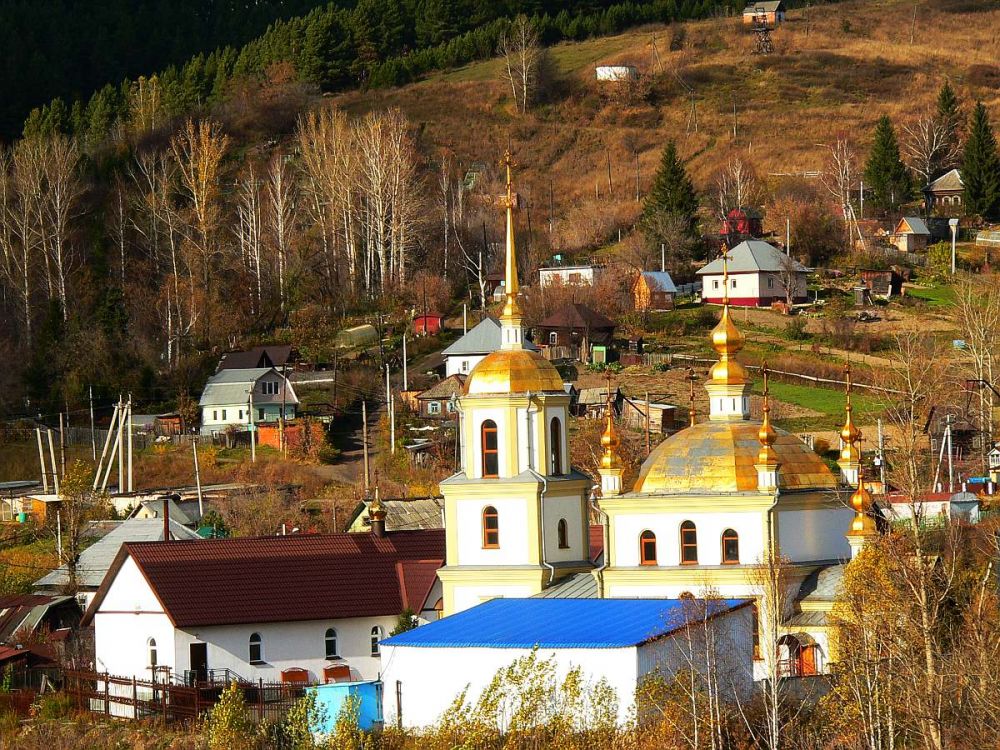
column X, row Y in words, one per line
column 560, row 623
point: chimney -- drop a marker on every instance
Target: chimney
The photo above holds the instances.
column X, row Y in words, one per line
column 166, row 519
column 376, row 514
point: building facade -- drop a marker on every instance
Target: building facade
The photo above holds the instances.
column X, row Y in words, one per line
column 236, row 397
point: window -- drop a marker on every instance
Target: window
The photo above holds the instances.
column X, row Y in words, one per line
column 734, row 283
column 647, row 548
column 151, row 645
column 715, row 284
column 730, row 547
column 256, row 649
column 433, row 407
column 491, row 450
column 223, row 415
column 215, row 415
column 563, row 533
column 241, row 415
column 269, row 387
column 260, row 415
column 449, row 407
column 330, row 644
column 555, row 446
column 770, row 282
column 553, row 338
column 465, row 365
column 377, row 635
column 689, row 544
column 491, row 528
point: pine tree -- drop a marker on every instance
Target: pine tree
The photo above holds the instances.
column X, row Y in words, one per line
column 670, row 214
column 949, row 115
column 981, row 167
column 885, row 174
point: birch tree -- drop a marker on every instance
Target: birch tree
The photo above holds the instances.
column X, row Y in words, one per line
column 522, row 55
column 928, row 144
column 281, row 215
column 249, row 231
column 736, row 187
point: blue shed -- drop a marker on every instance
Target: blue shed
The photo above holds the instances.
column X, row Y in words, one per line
column 332, row 698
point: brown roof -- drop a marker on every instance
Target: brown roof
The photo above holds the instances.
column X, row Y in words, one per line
column 453, row 385
column 575, row 315
column 260, row 356
column 285, row 578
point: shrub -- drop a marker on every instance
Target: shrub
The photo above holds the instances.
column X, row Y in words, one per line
column 228, row 725
column 796, row 329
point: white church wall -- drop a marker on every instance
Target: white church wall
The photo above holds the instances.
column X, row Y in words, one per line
column 472, row 596
column 561, row 413
column 429, row 679
column 512, row 516
column 814, row 534
column 676, row 590
column 667, row 527
column 568, row 508
column 475, row 421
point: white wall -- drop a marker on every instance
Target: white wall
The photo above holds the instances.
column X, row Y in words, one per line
column 568, row 275
column 751, row 285
column 625, row 530
column 462, row 365
column 285, row 645
column 473, row 420
column 570, row 508
column 816, row 534
column 475, row 594
column 512, row 515
column 431, row 678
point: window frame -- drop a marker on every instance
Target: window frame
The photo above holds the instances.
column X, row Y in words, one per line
column 255, row 640
column 555, row 446
column 377, row 636
column 562, row 533
column 489, row 427
column 490, row 512
column 727, row 536
column 152, row 653
column 331, row 636
column 646, row 537
column 433, row 407
column 688, row 527
column 553, row 338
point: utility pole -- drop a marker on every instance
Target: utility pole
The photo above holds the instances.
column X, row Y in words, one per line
column 388, row 392
column 611, row 187
column 663, row 256
column 121, row 445
column 406, row 382
column 364, row 441
column 59, row 535
column 197, row 478
column 636, row 175
column 281, row 417
column 953, row 225
column 881, row 454
column 253, row 437
column 93, row 434
column 52, row 462
column 130, row 442
column 788, row 236
column 115, row 416
column 648, row 449
column 862, row 214
column 41, row 461
column 465, row 321
column 392, row 425
column 736, row 122
column 62, row 445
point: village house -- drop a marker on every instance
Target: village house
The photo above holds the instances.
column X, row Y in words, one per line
column 653, row 291
column 23, row 616
column 229, row 395
column 662, row 417
column 472, row 348
column 401, row 514
column 312, row 607
column 438, row 401
column 910, row 235
column 945, row 194
column 744, row 222
column 580, row 332
column 622, row 641
column 586, row 275
column 771, row 12
column 591, row 402
column 757, row 274
column 616, row 73
column 278, row 356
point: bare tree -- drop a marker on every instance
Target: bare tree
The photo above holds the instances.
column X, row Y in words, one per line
column 736, row 187
column 927, row 146
column 63, row 189
column 522, row 55
column 249, row 231
column 282, row 200
column 838, row 172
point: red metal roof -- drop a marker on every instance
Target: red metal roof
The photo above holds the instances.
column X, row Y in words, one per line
column 286, row 578
column 596, row 541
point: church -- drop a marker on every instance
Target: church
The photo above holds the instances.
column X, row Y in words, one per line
column 710, row 503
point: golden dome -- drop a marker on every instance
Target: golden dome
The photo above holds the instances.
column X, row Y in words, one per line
column 727, row 341
column 861, row 502
column 610, row 441
column 849, row 433
column 720, row 456
column 513, row 371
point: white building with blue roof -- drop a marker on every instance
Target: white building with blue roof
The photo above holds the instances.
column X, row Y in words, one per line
column 621, row 641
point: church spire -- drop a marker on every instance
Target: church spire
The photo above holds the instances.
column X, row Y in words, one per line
column 611, row 466
column 728, row 384
column 767, row 460
column 512, row 333
column 862, row 527
column 850, row 437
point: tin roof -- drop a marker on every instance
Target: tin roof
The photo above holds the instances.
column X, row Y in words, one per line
column 752, row 256
column 949, row 181
column 577, row 586
column 562, row 623
column 453, row 385
column 912, row 225
column 233, row 387
column 482, row 338
column 285, row 578
column 661, row 280
column 575, row 315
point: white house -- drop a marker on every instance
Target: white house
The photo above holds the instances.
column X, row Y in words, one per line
column 622, row 641
column 228, row 395
column 757, row 275
column 472, row 348
column 616, row 73
column 262, row 608
column 569, row 275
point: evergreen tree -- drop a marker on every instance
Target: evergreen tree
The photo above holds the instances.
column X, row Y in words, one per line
column 326, row 51
column 981, row 167
column 885, row 174
column 670, row 212
column 949, row 115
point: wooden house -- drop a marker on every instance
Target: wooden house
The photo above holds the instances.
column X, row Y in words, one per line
column 757, row 275
column 591, row 402
column 662, row 417
column 569, row 275
column 769, row 12
column 883, row 283
column 653, row 290
column 910, row 235
column 438, row 401
column 945, row 193
column 578, row 329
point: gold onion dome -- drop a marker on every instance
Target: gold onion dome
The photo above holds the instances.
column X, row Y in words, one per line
column 610, row 441
column 513, row 371
column 861, row 502
column 766, row 434
column 850, row 435
column 726, row 338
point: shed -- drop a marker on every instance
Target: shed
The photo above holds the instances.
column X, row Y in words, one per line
column 885, row 283
column 332, row 698
column 622, row 641
column 662, row 417
column 427, row 324
column 910, row 235
column 768, row 13
column 591, row 402
column 616, row 73
column 654, row 290
column 363, row 335
column 746, row 222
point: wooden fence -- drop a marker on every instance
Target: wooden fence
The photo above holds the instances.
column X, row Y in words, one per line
column 132, row 698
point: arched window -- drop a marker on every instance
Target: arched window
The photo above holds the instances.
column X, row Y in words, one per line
column 647, row 548
column 256, row 649
column 555, row 446
column 330, row 643
column 689, row 544
column 151, row 645
column 563, row 532
column 491, row 528
column 491, row 449
column 377, row 635
column 730, row 547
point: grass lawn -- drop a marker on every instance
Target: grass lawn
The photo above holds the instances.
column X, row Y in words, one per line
column 828, row 401
column 934, row 295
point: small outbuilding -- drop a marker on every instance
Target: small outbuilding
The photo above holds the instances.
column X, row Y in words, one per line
column 768, row 13
column 427, row 324
column 745, row 222
column 616, row 73
column 620, row 641
column 910, row 235
column 654, row 290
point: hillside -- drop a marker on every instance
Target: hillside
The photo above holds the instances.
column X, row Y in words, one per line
column 836, row 69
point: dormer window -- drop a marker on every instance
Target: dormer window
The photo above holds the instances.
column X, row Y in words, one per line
column 491, row 449
column 269, row 387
